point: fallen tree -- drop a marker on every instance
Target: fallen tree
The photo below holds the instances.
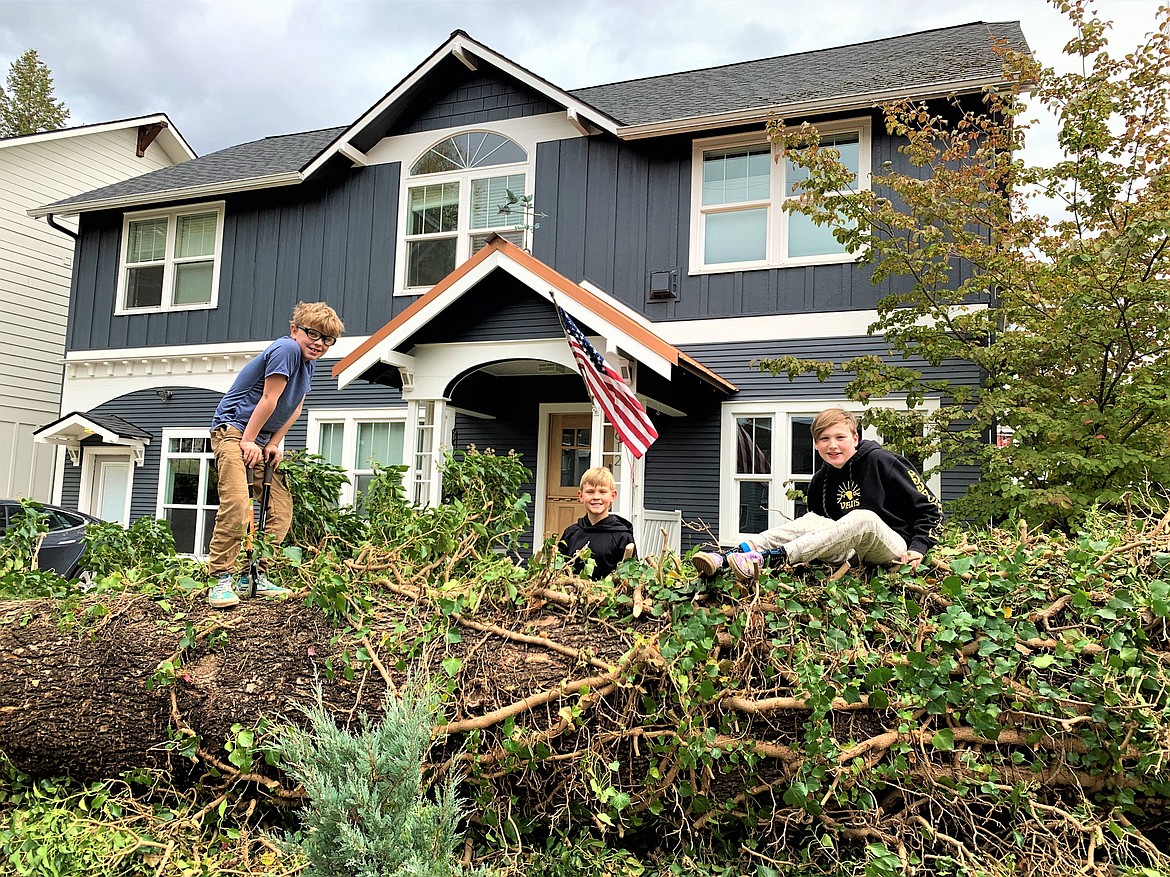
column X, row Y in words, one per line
column 1004, row 712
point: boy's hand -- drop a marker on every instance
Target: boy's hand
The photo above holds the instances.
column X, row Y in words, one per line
column 274, row 455
column 913, row 558
column 252, row 452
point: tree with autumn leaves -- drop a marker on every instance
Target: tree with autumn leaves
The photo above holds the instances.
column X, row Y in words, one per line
column 1065, row 315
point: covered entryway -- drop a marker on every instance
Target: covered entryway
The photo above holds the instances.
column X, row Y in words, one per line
column 482, row 359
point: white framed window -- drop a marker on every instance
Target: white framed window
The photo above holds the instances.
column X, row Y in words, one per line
column 738, row 187
column 356, row 439
column 451, row 202
column 766, row 449
column 170, row 259
column 188, row 489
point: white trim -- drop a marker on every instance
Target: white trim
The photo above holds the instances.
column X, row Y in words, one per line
column 205, row 461
column 169, row 260
column 800, row 109
column 91, row 473
column 142, row 199
column 174, row 140
column 781, row 508
column 778, row 219
column 349, row 418
column 463, row 48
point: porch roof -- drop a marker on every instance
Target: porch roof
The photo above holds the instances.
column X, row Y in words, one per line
column 74, row 428
column 623, row 327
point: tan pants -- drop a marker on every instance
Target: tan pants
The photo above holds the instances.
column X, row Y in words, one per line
column 813, row 537
column 235, row 505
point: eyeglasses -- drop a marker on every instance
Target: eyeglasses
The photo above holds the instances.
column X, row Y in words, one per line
column 314, row 335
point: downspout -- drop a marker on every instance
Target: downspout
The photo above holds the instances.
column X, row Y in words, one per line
column 61, row 228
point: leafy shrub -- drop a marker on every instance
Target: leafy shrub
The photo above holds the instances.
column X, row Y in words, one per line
column 315, row 485
column 110, row 547
column 488, row 485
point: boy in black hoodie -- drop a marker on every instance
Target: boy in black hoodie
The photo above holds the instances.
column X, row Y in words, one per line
column 604, row 534
column 866, row 500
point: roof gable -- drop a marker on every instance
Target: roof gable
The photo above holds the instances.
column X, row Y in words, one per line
column 168, row 136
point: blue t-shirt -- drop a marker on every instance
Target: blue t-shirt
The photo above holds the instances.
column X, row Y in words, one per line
column 282, row 357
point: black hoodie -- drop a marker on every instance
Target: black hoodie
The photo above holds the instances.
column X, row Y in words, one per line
column 884, row 483
column 607, row 541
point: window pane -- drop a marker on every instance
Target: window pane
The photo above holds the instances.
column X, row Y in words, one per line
column 329, row 446
column 183, row 526
column 193, row 283
column 182, row 482
column 753, row 506
column 806, row 238
column 463, row 151
column 847, row 144
column 208, row 529
column 479, row 241
column 144, row 287
column 803, row 455
column 146, row 240
column 753, row 445
column 428, row 262
column 212, row 488
column 734, row 175
column 196, row 235
column 801, row 505
column 740, row 236
column 434, row 209
column 380, row 443
column 488, row 195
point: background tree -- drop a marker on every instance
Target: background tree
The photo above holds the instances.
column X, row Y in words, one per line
column 28, row 105
column 1074, row 346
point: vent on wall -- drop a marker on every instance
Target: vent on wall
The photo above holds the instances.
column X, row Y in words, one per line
column 663, row 285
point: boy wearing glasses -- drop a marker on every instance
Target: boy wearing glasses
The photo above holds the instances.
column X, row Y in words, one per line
column 252, row 418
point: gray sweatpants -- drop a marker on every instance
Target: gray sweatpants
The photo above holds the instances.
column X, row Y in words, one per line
column 813, row 537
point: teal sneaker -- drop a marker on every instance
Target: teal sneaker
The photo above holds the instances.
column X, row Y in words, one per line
column 265, row 587
column 222, row 594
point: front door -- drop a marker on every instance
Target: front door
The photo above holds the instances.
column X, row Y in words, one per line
column 569, row 440
column 113, row 483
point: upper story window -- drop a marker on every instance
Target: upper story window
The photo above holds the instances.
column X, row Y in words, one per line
column 170, row 259
column 452, row 204
column 738, row 188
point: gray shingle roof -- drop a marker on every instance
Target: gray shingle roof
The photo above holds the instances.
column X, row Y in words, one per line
column 287, row 153
column 919, row 59
column 915, row 61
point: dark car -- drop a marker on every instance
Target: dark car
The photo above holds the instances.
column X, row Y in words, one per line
column 64, row 543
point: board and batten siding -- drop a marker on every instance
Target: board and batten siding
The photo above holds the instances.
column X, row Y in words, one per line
column 36, row 261
column 331, row 241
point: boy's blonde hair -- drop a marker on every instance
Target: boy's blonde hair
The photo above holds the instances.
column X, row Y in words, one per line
column 318, row 315
column 598, row 476
column 831, row 417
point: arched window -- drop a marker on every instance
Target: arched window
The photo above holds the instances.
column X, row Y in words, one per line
column 453, row 199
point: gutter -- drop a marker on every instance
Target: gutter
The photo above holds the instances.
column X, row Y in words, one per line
column 289, row 178
column 865, row 100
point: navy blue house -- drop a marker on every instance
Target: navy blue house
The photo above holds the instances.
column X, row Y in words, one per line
column 660, row 230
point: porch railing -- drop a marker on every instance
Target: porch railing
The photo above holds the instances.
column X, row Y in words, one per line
column 657, row 530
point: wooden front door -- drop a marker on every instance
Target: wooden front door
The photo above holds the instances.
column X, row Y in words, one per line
column 569, row 439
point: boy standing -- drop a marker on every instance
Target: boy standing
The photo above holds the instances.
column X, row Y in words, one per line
column 246, row 431
column 866, row 500
column 605, row 535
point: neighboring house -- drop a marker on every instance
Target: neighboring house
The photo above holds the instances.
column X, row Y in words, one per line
column 36, row 262
column 661, row 233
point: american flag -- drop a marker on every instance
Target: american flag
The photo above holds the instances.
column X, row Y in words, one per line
column 620, row 406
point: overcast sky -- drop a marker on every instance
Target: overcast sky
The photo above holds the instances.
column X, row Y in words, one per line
column 229, row 71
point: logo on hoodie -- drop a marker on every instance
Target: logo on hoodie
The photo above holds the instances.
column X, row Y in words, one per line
column 848, row 496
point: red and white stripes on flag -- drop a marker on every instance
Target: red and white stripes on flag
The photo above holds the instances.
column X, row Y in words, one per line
column 617, row 402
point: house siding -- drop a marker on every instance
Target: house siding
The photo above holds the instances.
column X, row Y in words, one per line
column 35, row 265
column 471, row 99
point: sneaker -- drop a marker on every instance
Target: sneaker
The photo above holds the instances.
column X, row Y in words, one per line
column 707, row 563
column 223, row 593
column 745, row 565
column 265, row 587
